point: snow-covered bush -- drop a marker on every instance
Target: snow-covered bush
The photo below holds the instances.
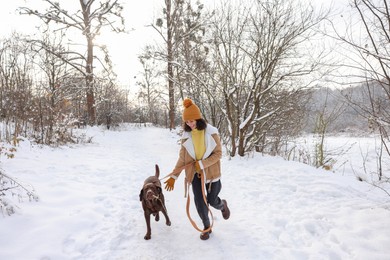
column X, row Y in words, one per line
column 13, row 191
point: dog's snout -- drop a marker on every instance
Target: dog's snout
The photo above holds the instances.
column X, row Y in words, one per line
column 150, row 194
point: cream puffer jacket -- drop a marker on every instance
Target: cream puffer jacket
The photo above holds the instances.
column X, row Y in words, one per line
column 211, row 161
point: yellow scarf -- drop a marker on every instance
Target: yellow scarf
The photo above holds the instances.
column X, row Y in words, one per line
column 199, row 143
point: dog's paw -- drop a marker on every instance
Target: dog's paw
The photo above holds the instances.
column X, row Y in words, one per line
column 147, row 237
column 168, row 223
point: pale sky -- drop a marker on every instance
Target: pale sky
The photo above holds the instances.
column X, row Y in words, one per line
column 124, row 48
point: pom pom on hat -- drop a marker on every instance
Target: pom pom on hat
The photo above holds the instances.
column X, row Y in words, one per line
column 191, row 111
column 187, row 102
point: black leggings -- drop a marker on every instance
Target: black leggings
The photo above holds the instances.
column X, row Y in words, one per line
column 212, row 198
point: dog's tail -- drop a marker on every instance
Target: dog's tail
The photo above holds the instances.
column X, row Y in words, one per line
column 157, row 171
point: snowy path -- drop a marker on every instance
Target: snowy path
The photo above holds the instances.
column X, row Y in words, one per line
column 89, row 207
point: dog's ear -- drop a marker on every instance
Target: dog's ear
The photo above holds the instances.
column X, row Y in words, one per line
column 141, row 194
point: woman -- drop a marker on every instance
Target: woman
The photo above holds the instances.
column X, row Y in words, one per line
column 201, row 145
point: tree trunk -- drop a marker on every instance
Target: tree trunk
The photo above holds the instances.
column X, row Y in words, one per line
column 171, row 91
column 89, row 83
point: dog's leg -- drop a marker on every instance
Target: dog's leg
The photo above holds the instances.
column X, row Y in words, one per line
column 157, row 217
column 167, row 220
column 164, row 211
column 148, row 229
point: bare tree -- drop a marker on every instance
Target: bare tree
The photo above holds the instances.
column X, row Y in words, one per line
column 181, row 28
column 150, row 93
column 89, row 21
column 169, row 14
column 51, row 90
column 261, row 56
column 325, row 117
column 111, row 103
column 16, row 70
column 370, row 65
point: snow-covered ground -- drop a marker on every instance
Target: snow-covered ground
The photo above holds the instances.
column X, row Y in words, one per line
column 354, row 156
column 89, row 206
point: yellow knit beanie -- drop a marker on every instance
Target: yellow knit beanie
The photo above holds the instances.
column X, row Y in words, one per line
column 191, row 111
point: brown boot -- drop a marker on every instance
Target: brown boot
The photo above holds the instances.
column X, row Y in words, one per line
column 205, row 235
column 225, row 210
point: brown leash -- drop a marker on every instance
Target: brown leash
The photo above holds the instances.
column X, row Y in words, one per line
column 179, row 170
column 186, row 193
column 205, row 201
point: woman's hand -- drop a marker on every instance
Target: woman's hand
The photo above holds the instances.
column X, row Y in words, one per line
column 169, row 184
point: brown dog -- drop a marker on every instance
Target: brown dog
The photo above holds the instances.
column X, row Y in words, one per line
column 153, row 201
